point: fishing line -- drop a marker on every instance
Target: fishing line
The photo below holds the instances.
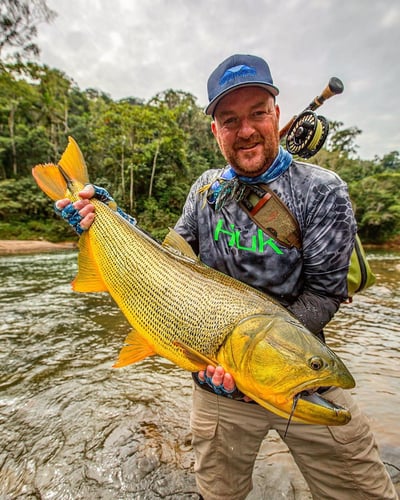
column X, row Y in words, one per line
column 295, row 401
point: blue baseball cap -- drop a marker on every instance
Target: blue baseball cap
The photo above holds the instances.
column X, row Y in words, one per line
column 238, row 71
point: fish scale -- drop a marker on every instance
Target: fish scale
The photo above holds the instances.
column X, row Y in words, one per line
column 203, row 317
column 194, row 315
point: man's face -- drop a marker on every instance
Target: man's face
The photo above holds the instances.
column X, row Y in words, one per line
column 246, row 126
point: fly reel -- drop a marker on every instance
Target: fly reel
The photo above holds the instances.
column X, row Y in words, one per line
column 307, row 134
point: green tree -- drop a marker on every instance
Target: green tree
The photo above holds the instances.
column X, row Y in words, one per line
column 141, row 148
column 390, row 162
column 17, row 101
column 147, row 154
column 377, row 206
column 342, row 140
column 18, row 26
column 54, row 89
column 33, row 99
column 26, row 213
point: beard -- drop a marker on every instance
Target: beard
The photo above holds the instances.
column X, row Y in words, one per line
column 252, row 158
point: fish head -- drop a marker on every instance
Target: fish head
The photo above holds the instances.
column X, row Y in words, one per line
column 276, row 361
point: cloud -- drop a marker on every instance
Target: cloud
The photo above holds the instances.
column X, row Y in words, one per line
column 135, row 48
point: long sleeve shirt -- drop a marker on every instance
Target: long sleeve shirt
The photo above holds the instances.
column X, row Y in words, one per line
column 311, row 281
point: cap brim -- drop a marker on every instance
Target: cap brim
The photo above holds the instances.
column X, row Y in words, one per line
column 210, row 109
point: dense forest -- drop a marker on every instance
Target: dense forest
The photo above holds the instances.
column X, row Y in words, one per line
column 146, row 154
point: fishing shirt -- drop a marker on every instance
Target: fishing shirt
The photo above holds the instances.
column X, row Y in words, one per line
column 312, row 281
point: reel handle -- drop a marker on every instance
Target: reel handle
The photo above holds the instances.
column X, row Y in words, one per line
column 335, row 86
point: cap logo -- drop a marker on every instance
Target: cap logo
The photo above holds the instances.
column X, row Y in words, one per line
column 237, row 72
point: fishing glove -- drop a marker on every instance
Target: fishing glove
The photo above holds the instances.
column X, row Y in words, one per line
column 104, row 196
column 218, row 389
column 71, row 215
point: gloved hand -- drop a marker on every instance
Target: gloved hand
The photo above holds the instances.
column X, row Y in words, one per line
column 104, row 196
column 71, row 215
column 218, row 389
column 76, row 212
column 220, row 382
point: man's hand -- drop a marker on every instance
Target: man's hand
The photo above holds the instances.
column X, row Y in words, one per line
column 83, row 207
column 80, row 215
column 221, row 382
column 217, row 378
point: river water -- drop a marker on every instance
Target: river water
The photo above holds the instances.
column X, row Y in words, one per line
column 74, row 428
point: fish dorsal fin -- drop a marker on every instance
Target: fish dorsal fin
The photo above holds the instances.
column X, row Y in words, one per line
column 196, row 357
column 88, row 278
column 177, row 243
column 136, row 349
column 73, row 163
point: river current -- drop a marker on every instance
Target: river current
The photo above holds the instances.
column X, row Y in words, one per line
column 72, row 427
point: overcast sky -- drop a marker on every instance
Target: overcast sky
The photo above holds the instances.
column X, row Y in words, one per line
column 142, row 47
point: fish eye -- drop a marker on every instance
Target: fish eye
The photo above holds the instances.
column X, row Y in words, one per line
column 315, row 363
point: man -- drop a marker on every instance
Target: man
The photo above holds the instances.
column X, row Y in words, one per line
column 338, row 462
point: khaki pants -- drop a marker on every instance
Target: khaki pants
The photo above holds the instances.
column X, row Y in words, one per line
column 337, row 462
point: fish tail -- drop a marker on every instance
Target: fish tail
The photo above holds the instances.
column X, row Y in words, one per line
column 50, row 180
column 56, row 180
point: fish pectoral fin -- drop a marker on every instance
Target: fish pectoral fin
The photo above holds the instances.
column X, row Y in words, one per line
column 136, row 349
column 88, row 278
column 195, row 356
column 176, row 242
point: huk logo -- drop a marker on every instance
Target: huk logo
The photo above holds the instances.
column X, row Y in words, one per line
column 258, row 243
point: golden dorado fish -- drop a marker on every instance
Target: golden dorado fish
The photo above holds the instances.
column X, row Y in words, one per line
column 193, row 315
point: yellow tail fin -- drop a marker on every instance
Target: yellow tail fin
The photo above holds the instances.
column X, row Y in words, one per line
column 73, row 163
column 50, row 179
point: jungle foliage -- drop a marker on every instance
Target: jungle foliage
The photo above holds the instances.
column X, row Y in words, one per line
column 146, row 153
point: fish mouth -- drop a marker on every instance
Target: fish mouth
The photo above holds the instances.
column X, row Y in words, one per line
column 311, row 402
column 308, row 407
column 314, row 402
column 311, row 407
column 313, row 397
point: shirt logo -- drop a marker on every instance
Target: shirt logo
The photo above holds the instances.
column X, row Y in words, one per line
column 258, row 243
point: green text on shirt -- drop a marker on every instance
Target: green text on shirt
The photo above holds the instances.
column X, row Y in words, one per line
column 258, row 243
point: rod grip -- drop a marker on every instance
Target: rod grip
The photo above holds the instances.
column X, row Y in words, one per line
column 335, row 86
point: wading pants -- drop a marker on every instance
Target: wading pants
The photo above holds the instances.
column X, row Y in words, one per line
column 337, row 462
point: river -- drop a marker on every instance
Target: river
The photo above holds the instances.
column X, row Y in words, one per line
column 72, row 427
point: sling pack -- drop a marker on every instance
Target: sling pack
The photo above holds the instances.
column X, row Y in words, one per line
column 273, row 216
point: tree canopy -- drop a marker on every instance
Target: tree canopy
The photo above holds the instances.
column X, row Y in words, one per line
column 146, row 154
column 18, row 26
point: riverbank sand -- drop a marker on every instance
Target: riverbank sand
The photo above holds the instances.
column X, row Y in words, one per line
column 33, row 246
